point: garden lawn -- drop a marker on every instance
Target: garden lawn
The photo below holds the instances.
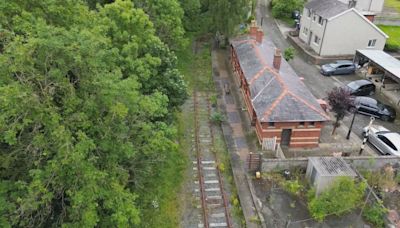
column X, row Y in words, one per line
column 393, row 4
column 393, row 32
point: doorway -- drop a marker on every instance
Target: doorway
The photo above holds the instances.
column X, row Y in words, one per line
column 309, row 38
column 285, row 137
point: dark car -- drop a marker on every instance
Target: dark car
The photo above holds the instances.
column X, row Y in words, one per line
column 361, row 88
column 296, row 14
column 371, row 107
column 338, row 67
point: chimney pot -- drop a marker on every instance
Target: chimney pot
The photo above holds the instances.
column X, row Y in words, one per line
column 277, row 59
column 352, row 3
column 259, row 35
column 253, row 29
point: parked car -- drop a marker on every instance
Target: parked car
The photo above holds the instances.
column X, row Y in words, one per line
column 371, row 107
column 296, row 14
column 338, row 67
column 387, row 142
column 361, row 87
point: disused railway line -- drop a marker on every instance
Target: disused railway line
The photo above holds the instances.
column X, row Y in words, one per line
column 214, row 203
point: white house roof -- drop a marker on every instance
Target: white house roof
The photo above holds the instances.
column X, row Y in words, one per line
column 331, row 166
column 326, row 8
column 384, row 60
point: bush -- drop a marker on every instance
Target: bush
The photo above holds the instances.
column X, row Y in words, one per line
column 293, row 187
column 375, row 214
column 344, row 195
column 284, row 8
column 217, row 118
column 288, row 54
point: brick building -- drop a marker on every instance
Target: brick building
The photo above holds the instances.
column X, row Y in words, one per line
column 278, row 102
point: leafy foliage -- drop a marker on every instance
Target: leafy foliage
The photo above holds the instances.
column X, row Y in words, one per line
column 85, row 128
column 288, row 54
column 344, row 195
column 284, row 8
column 166, row 16
column 375, row 214
column 293, row 186
column 340, row 101
column 217, row 118
column 227, row 14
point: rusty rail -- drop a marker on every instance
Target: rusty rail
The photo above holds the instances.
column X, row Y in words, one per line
column 221, row 183
column 199, row 169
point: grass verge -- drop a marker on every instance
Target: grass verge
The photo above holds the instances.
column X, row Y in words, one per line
column 395, row 4
column 393, row 43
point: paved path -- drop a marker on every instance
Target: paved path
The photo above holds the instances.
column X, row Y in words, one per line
column 234, row 133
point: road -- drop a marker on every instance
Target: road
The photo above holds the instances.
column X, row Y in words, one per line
column 318, row 85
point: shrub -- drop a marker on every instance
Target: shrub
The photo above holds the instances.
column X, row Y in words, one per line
column 397, row 178
column 288, row 54
column 284, row 8
column 375, row 214
column 293, row 187
column 344, row 195
column 217, row 118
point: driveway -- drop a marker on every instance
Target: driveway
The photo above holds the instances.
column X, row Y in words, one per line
column 318, row 85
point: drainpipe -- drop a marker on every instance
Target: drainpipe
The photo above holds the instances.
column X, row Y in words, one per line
column 322, row 39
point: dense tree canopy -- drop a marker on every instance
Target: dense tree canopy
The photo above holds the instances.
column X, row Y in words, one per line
column 85, row 99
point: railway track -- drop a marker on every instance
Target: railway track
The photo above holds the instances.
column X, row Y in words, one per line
column 210, row 190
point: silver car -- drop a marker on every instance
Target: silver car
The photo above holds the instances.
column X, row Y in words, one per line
column 387, row 142
column 338, row 67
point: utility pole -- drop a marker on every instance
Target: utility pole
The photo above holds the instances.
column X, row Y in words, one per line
column 366, row 135
column 351, row 125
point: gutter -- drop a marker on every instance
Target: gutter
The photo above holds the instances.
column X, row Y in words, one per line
column 322, row 39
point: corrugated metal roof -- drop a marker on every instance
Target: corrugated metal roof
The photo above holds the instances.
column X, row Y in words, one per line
column 326, row 8
column 383, row 59
column 276, row 96
column 331, row 166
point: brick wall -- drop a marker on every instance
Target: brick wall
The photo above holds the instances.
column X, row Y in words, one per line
column 306, row 135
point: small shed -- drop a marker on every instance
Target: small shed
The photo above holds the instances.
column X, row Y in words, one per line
column 322, row 171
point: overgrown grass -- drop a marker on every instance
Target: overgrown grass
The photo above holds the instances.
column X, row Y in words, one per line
column 167, row 213
column 395, row 4
column 196, row 68
column 393, row 43
column 224, row 166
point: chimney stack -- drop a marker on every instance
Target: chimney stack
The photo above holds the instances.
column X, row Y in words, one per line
column 253, row 29
column 259, row 35
column 352, row 3
column 277, row 59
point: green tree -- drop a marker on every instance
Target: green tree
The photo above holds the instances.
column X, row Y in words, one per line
column 284, row 8
column 227, row 14
column 166, row 16
column 83, row 139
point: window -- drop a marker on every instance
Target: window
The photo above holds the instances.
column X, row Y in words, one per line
column 311, row 124
column 315, row 17
column 320, row 20
column 309, row 13
column 301, row 124
column 271, row 124
column 316, row 39
column 387, row 142
column 305, row 31
column 371, row 43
